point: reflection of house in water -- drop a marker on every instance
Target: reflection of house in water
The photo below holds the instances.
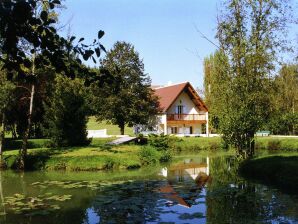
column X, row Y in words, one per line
column 185, row 180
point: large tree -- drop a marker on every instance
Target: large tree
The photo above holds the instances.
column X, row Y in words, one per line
column 128, row 100
column 250, row 33
column 29, row 41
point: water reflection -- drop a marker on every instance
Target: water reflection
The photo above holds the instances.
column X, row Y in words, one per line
column 194, row 190
column 185, row 180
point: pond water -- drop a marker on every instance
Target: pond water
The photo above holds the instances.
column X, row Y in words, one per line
column 190, row 190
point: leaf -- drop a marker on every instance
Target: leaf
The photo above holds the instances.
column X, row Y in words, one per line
column 56, row 2
column 52, row 6
column 86, row 56
column 72, row 38
column 103, row 48
column 97, row 51
column 81, row 39
column 94, row 60
column 100, row 34
column 44, row 16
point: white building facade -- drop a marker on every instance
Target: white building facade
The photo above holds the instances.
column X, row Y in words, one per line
column 183, row 111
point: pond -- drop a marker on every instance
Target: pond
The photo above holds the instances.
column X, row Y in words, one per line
column 192, row 189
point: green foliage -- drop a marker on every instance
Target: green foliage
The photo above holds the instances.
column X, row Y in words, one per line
column 250, row 35
column 127, row 98
column 166, row 156
column 6, row 91
column 160, row 142
column 148, row 155
column 66, row 113
column 284, row 101
column 35, row 21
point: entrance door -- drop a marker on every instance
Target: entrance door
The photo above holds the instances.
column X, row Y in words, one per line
column 190, row 130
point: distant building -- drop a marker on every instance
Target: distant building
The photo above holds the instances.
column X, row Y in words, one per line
column 183, row 111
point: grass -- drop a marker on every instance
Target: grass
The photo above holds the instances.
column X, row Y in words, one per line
column 97, row 156
column 274, row 143
column 192, row 144
column 279, row 170
column 111, row 129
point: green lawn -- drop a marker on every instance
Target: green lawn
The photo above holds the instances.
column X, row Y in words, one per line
column 96, row 156
column 111, row 129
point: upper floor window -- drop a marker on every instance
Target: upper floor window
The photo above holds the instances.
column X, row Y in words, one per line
column 180, row 109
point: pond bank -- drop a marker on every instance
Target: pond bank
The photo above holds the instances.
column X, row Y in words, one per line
column 99, row 156
column 277, row 170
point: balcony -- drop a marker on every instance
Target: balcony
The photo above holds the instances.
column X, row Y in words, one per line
column 186, row 118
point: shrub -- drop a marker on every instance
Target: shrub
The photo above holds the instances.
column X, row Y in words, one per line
column 161, row 142
column 148, row 155
column 166, row 156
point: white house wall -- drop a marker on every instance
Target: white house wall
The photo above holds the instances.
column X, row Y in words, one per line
column 189, row 106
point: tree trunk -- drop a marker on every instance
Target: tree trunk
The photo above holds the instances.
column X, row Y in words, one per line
column 122, row 129
column 2, row 138
column 23, row 150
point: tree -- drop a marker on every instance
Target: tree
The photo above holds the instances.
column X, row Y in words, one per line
column 6, row 94
column 66, row 113
column 128, row 99
column 284, row 101
column 250, row 33
column 29, row 41
column 216, row 81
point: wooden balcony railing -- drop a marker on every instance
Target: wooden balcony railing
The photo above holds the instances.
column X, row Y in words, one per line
column 186, row 117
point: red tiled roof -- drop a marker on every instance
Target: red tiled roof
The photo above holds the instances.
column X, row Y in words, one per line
column 167, row 95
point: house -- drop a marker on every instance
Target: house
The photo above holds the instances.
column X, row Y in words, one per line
column 183, row 111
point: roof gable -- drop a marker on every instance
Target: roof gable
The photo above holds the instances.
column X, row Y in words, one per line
column 168, row 95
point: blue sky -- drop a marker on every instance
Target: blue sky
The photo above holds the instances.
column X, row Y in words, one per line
column 162, row 31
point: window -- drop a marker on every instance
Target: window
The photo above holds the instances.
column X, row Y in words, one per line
column 174, row 130
column 179, row 111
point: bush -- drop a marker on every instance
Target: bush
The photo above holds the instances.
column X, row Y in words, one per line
column 148, row 155
column 161, row 142
column 166, row 156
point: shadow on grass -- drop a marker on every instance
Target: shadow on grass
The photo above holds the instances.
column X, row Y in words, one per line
column 278, row 171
